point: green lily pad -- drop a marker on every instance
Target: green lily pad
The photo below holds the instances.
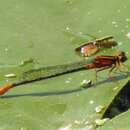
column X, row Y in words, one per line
column 39, row 30
column 121, row 122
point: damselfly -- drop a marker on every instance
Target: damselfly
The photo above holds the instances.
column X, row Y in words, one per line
column 93, row 47
column 99, row 63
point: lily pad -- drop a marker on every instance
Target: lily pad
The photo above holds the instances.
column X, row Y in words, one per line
column 121, row 122
column 39, row 30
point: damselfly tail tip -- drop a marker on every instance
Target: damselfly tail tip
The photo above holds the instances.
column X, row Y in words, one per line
column 78, row 49
column 5, row 88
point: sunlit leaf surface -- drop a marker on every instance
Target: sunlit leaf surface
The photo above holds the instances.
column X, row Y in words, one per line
column 47, row 32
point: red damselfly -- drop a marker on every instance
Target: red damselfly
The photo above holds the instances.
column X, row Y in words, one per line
column 99, row 63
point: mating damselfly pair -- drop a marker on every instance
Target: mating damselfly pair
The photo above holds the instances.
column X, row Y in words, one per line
column 99, row 63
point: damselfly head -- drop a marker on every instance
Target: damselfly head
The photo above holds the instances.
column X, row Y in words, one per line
column 107, row 42
column 122, row 56
column 115, row 43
